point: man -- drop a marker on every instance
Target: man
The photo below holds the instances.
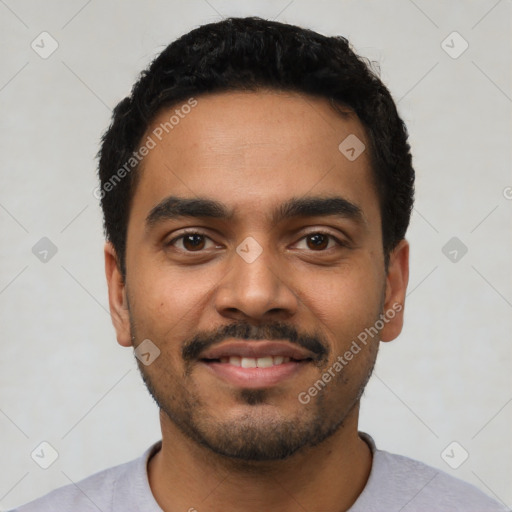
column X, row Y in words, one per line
column 256, row 188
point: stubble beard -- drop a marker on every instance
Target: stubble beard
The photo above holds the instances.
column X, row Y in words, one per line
column 253, row 437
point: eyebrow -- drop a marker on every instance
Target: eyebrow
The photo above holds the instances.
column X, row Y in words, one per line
column 174, row 207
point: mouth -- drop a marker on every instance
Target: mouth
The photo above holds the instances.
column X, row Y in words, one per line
column 256, row 365
column 253, row 362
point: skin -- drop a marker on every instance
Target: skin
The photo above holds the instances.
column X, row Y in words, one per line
column 253, row 151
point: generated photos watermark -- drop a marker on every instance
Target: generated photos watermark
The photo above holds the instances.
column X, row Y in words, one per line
column 304, row 397
column 150, row 143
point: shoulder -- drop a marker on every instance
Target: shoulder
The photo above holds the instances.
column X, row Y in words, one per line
column 397, row 482
column 105, row 490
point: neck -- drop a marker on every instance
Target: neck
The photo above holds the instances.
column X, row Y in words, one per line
column 185, row 476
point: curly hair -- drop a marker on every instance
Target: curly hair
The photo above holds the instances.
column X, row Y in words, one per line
column 250, row 54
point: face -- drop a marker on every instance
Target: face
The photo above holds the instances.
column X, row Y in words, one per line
column 254, row 263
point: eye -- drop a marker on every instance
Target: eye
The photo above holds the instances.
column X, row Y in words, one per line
column 320, row 241
column 191, row 241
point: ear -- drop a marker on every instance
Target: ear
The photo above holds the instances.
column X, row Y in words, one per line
column 396, row 286
column 117, row 297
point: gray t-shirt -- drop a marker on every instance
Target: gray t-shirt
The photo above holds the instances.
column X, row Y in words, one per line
column 396, row 484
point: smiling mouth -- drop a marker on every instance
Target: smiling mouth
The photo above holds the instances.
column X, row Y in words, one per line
column 253, row 362
column 255, row 373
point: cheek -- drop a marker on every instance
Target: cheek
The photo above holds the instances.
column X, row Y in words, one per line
column 167, row 303
column 344, row 301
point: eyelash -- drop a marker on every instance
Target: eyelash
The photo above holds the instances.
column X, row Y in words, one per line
column 195, row 232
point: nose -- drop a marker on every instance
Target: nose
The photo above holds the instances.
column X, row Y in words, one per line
column 256, row 289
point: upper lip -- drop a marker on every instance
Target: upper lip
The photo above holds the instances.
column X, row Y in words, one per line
column 257, row 349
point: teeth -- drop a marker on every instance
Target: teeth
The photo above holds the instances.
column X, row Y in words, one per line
column 248, row 362
column 251, row 362
column 264, row 362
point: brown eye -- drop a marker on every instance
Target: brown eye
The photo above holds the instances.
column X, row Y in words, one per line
column 317, row 241
column 193, row 242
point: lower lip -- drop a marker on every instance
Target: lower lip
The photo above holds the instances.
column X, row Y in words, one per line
column 255, row 377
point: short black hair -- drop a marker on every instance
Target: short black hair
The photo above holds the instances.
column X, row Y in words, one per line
column 250, row 54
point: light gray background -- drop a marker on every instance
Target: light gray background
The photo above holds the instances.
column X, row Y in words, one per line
column 64, row 379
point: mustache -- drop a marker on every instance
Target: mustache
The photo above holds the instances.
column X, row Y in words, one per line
column 315, row 343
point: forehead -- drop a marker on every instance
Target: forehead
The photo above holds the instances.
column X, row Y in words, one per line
column 255, row 149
